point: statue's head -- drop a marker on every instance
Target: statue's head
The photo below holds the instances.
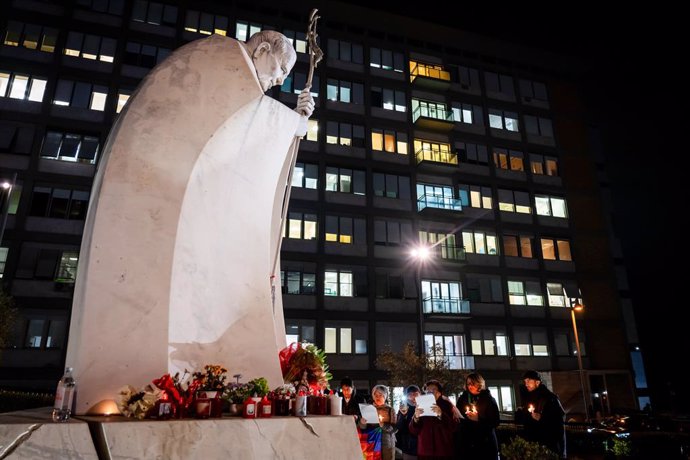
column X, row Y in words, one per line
column 273, row 57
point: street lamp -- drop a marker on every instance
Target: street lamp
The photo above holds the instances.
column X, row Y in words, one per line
column 420, row 254
column 577, row 306
column 6, row 186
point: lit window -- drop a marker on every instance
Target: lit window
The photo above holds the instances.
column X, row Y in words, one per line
column 389, row 141
column 442, row 297
column 3, row 260
column 504, row 397
column 341, row 340
column 489, row 342
column 305, row 176
column 312, row 130
column 300, row 226
column 338, row 283
column 479, row 242
column 467, row 113
column 434, row 151
column 554, row 249
column 554, row 292
column 550, row 206
column 67, row 270
column 345, row 91
column 500, row 119
column 420, row 69
column 122, row 98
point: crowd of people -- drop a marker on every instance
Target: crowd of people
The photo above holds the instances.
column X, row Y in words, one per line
column 465, row 430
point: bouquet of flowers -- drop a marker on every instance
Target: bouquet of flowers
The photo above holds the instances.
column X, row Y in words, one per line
column 304, row 364
column 133, row 403
column 212, row 379
column 237, row 393
column 284, row 391
column 178, row 389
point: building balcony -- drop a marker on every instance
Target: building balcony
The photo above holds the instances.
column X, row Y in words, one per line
column 446, row 306
column 456, row 362
column 436, row 156
column 449, row 253
column 437, row 119
column 438, row 202
column 430, row 77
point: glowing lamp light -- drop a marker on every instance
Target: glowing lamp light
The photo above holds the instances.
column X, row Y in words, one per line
column 104, row 407
column 421, row 253
column 5, row 185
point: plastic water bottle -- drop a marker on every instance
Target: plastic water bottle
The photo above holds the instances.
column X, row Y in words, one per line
column 64, row 395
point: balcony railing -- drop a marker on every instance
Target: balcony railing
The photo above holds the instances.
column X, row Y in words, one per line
column 456, row 362
column 440, row 202
column 421, row 70
column 437, row 156
column 449, row 252
column 436, row 113
column 451, row 306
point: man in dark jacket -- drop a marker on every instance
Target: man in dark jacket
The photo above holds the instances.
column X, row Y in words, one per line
column 351, row 400
column 542, row 414
column 407, row 442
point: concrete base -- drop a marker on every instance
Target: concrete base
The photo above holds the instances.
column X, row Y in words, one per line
column 31, row 434
column 311, row 437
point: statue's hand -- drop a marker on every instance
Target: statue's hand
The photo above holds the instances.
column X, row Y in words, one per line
column 305, row 103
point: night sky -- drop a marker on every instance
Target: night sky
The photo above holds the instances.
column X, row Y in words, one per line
column 635, row 89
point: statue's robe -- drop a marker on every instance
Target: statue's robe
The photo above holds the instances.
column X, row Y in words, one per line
column 183, row 229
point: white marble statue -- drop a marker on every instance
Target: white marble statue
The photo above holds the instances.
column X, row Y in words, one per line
column 185, row 222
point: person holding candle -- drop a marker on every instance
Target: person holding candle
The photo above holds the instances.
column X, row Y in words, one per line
column 407, row 442
column 476, row 435
column 543, row 415
column 378, row 436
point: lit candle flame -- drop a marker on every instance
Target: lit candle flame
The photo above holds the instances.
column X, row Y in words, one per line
column 530, row 408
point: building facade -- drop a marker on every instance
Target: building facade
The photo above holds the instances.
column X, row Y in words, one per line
column 424, row 139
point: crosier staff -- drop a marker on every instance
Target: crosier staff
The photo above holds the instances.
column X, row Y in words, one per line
column 315, row 53
column 315, row 56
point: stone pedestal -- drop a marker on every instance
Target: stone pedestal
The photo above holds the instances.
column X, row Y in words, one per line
column 298, row 438
column 31, row 434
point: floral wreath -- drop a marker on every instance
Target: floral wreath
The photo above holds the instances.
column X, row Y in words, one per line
column 298, row 359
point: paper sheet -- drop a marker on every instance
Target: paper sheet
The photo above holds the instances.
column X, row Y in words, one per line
column 369, row 413
column 425, row 402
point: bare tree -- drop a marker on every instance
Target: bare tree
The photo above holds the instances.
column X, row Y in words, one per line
column 409, row 367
